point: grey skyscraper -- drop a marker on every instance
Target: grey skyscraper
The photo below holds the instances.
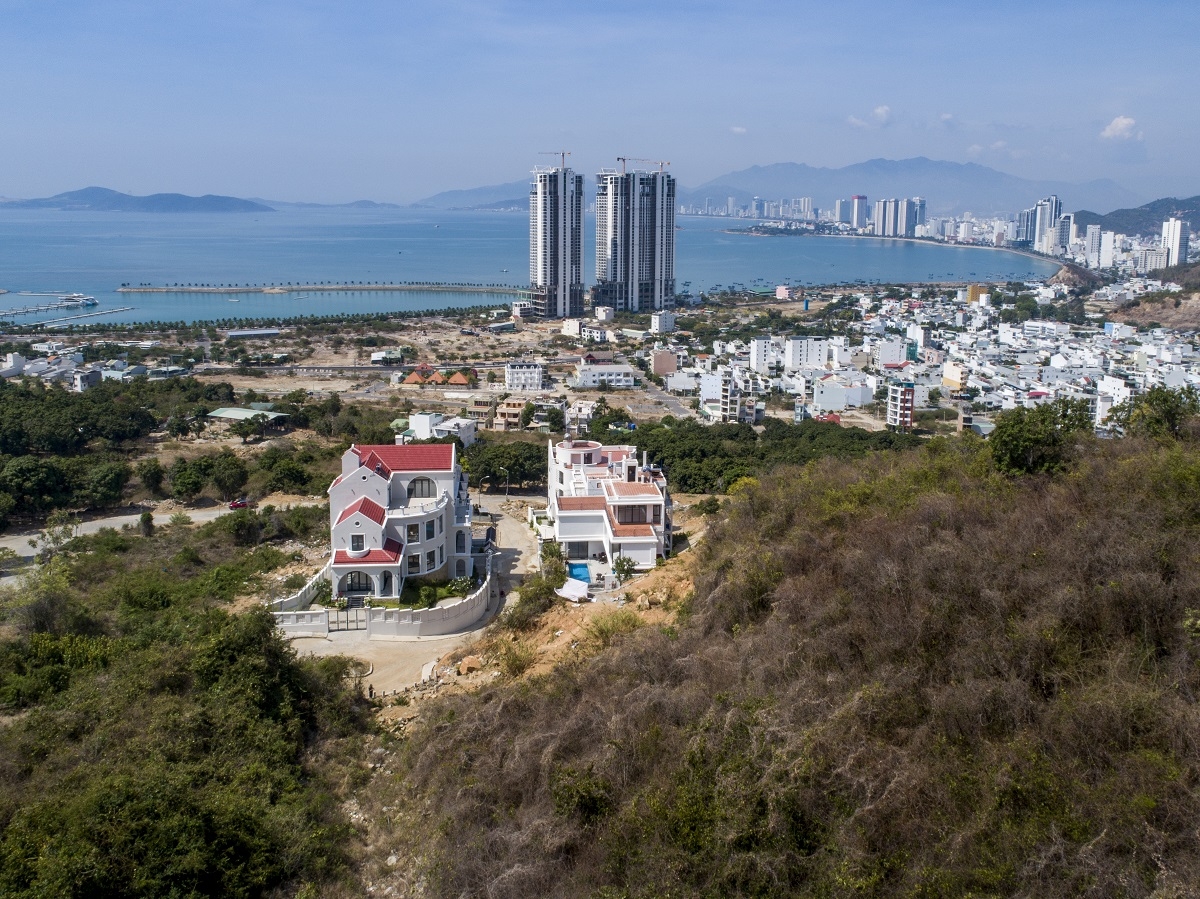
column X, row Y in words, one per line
column 635, row 240
column 556, row 242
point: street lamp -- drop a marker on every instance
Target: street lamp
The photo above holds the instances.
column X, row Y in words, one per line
column 505, row 470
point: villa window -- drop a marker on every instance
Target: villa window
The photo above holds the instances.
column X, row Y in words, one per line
column 357, row 581
column 414, row 563
column 430, row 560
column 356, row 543
column 658, row 514
column 429, row 529
column 631, row 515
column 441, row 555
column 421, row 488
column 414, row 533
column 460, row 542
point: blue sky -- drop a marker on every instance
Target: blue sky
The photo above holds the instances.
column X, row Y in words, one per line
column 398, row 100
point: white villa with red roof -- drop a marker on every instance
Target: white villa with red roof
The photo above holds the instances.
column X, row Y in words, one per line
column 603, row 504
column 397, row 512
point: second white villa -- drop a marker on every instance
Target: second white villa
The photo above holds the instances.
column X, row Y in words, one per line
column 603, row 505
column 398, row 512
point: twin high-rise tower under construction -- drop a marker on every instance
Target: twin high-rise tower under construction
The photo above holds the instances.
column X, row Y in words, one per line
column 635, row 241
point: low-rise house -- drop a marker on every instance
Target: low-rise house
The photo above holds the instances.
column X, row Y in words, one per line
column 615, row 376
column 603, row 505
column 524, row 376
column 397, row 512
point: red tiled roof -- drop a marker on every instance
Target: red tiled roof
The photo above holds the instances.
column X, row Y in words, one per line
column 367, row 506
column 580, row 503
column 389, row 555
column 623, row 488
column 421, row 457
column 629, row 530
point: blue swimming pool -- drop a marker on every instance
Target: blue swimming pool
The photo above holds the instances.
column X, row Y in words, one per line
column 579, row 571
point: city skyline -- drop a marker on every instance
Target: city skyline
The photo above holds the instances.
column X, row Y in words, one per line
column 322, row 103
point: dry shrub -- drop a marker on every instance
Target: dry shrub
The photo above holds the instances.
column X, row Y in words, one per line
column 901, row 676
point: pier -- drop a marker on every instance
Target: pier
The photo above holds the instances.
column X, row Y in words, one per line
column 65, row 301
column 71, row 318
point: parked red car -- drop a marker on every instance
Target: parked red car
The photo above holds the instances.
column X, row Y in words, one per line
column 240, row 504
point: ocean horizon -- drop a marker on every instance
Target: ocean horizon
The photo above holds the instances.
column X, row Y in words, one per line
column 95, row 253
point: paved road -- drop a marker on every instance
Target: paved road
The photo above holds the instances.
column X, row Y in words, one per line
column 19, row 543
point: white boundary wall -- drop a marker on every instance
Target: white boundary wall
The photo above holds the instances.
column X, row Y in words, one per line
column 384, row 624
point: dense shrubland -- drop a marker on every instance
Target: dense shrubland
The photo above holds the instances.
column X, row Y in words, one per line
column 159, row 745
column 914, row 674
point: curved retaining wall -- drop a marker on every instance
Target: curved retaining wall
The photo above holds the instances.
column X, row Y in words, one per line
column 388, row 623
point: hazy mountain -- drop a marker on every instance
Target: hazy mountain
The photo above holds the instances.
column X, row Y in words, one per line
column 948, row 187
column 496, row 196
column 1147, row 219
column 101, row 199
column 356, row 204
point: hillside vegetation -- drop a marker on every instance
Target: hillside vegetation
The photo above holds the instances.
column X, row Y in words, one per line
column 1145, row 219
column 914, row 674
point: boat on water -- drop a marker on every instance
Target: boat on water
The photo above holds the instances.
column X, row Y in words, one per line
column 233, row 300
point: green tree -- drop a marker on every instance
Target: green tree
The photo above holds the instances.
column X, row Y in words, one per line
column 623, row 567
column 177, row 426
column 186, row 481
column 228, row 474
column 1160, row 412
column 104, row 483
column 1026, row 441
column 527, row 414
column 556, row 419
column 244, row 428
column 151, row 473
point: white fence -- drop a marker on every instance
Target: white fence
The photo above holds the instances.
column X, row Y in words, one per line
column 391, row 623
column 307, row 594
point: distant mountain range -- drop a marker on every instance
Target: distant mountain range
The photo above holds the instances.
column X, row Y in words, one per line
column 101, row 199
column 949, row 188
column 1147, row 219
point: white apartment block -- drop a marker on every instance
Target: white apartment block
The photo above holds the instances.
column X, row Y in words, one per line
column 524, row 376
column 397, row 512
column 1175, row 237
column 436, row 426
column 804, row 352
column 662, row 322
column 602, row 504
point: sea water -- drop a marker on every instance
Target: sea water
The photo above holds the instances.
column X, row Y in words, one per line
column 94, row 253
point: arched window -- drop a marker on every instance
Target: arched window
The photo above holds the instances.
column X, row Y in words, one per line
column 358, row 580
column 421, row 488
column 460, row 542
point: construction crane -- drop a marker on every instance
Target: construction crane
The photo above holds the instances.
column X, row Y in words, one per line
column 658, row 162
column 561, row 154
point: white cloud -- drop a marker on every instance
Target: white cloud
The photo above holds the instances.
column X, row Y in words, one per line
column 974, row 150
column 999, row 145
column 736, row 129
column 879, row 118
column 1120, row 128
column 946, row 117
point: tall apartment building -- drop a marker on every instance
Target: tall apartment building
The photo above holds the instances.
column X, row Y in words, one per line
column 1046, row 214
column 635, row 240
column 1093, row 246
column 556, row 242
column 1175, row 236
column 858, row 211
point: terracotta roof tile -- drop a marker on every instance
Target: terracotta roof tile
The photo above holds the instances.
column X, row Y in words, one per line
column 422, row 457
column 389, row 555
column 368, row 507
column 581, row 503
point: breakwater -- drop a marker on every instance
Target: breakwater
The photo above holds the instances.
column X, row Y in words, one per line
column 347, row 287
